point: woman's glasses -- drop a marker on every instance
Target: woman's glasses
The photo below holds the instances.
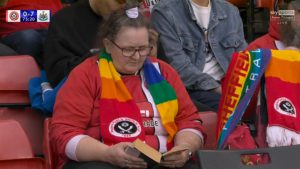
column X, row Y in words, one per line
column 128, row 52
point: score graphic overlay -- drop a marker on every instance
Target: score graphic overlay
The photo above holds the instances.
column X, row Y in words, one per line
column 28, row 15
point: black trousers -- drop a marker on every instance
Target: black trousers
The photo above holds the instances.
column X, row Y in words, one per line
column 102, row 165
column 6, row 51
column 205, row 100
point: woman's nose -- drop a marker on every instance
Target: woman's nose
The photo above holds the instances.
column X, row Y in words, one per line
column 136, row 54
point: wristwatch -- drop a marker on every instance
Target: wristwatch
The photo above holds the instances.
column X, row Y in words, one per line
column 190, row 153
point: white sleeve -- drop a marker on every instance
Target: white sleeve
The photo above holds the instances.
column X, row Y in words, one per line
column 71, row 146
column 197, row 132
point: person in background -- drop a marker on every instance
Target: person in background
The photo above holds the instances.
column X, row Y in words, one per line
column 71, row 36
column 283, row 128
column 68, row 43
column 70, row 40
column 26, row 38
column 290, row 31
column 197, row 38
column 271, row 40
column 110, row 99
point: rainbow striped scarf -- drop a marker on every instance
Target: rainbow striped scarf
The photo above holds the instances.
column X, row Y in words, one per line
column 120, row 118
column 242, row 77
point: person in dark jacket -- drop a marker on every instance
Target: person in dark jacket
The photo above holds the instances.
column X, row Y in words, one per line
column 71, row 36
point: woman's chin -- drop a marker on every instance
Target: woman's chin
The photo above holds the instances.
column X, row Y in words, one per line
column 131, row 71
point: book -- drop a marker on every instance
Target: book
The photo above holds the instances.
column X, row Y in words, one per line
column 149, row 154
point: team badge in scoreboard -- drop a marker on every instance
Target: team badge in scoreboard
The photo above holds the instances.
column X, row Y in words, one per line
column 28, row 15
column 13, row 16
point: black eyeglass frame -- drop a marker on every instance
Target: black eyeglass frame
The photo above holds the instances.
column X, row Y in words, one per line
column 135, row 50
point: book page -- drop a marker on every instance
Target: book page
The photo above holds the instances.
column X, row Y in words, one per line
column 147, row 150
column 151, row 152
column 175, row 150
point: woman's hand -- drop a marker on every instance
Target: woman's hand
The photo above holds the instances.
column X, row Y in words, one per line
column 176, row 160
column 116, row 155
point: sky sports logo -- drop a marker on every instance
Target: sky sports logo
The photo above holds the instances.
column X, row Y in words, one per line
column 283, row 13
column 283, row 16
column 28, row 16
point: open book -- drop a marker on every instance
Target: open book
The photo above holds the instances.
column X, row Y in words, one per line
column 149, row 154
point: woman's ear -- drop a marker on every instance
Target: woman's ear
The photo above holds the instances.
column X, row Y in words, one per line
column 107, row 45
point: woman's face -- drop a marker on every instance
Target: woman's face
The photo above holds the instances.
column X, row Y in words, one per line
column 128, row 39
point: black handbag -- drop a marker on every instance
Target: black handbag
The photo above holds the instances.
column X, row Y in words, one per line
column 280, row 158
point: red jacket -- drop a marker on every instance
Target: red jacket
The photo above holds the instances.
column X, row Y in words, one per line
column 7, row 28
column 76, row 108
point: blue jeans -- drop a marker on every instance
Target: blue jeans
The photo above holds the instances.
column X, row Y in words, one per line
column 27, row 42
column 205, row 100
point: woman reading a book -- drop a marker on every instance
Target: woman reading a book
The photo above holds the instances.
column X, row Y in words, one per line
column 121, row 95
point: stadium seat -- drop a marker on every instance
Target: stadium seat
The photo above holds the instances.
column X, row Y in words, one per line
column 15, row 148
column 46, row 144
column 14, row 143
column 15, row 73
column 31, row 163
column 269, row 4
column 209, row 120
column 239, row 3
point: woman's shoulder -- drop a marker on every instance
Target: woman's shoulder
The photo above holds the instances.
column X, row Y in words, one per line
column 90, row 64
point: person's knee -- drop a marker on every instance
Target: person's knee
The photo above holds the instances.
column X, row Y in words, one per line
column 6, row 51
column 28, row 42
column 30, row 37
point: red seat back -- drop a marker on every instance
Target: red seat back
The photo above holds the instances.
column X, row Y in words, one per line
column 238, row 3
column 46, row 144
column 15, row 73
column 31, row 122
column 267, row 3
column 14, row 143
column 31, row 163
column 15, row 148
column 210, row 124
